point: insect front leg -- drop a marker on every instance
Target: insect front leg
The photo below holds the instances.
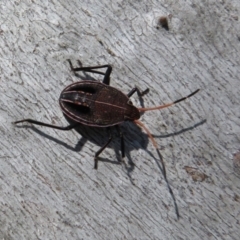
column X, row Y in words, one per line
column 140, row 93
column 69, row 127
column 106, row 79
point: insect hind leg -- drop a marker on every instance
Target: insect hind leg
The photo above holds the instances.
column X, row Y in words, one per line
column 122, row 140
column 102, row 148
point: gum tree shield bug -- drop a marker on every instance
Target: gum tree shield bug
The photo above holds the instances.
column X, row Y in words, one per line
column 97, row 104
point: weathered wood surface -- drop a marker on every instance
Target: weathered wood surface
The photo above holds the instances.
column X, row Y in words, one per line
column 49, row 189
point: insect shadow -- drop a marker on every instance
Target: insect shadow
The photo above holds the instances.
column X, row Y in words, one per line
column 166, row 135
column 98, row 136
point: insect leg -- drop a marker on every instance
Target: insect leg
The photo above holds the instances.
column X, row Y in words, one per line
column 102, row 148
column 69, row 127
column 122, row 141
column 106, row 79
column 136, row 89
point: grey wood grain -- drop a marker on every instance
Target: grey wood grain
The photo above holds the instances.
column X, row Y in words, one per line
column 49, row 189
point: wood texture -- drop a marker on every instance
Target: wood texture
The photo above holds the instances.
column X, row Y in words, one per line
column 49, row 189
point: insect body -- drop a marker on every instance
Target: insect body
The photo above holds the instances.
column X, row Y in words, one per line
column 97, row 104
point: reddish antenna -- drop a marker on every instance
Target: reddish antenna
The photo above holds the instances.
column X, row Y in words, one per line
column 168, row 104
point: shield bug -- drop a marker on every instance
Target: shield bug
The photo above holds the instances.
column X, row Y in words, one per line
column 97, row 104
